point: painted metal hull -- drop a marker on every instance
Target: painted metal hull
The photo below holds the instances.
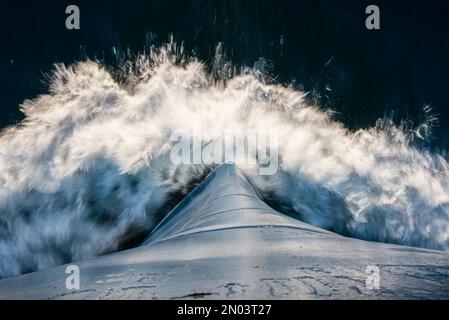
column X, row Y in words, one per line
column 223, row 242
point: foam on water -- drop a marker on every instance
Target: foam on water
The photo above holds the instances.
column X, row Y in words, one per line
column 90, row 163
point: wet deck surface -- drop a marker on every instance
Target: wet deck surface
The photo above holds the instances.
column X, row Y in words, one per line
column 222, row 241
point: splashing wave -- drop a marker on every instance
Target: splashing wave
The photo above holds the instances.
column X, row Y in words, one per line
column 89, row 166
